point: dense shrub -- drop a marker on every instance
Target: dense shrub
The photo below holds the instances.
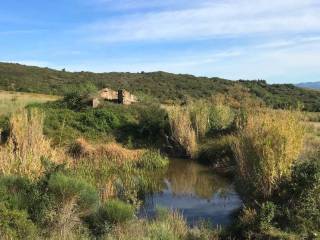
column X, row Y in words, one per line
column 112, row 212
column 116, row 211
column 15, row 191
column 65, row 125
column 266, row 149
column 159, row 85
column 98, row 120
column 68, row 189
column 14, row 224
column 300, row 198
column 153, row 121
column 220, row 117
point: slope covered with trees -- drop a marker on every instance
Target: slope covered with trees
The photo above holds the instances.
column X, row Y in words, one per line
column 160, row 86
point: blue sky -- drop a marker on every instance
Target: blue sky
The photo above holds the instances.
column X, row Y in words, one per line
column 276, row 40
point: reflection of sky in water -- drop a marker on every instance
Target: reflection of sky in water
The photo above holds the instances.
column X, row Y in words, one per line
column 196, row 192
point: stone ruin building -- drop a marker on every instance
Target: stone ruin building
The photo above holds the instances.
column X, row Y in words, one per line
column 121, row 96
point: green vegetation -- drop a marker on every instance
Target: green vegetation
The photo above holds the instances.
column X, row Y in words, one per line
column 266, row 149
column 12, row 101
column 157, row 86
column 68, row 171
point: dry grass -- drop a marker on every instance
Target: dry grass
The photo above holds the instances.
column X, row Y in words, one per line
column 12, row 101
column 26, row 146
column 111, row 151
column 267, row 147
column 199, row 113
column 311, row 122
column 182, row 130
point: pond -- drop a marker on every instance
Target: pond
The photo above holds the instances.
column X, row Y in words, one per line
column 196, row 192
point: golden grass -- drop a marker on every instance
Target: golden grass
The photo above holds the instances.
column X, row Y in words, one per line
column 182, row 130
column 26, row 147
column 311, row 148
column 12, row 101
column 112, row 151
column 199, row 113
column 267, row 147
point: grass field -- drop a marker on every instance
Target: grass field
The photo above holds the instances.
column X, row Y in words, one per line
column 11, row 101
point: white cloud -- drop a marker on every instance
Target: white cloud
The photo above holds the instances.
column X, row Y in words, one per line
column 211, row 20
column 125, row 5
column 292, row 62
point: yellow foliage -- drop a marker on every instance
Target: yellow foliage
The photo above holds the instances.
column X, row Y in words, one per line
column 26, row 146
column 112, row 151
column 199, row 113
column 182, row 130
column 267, row 147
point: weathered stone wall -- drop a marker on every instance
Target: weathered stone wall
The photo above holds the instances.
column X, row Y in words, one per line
column 126, row 98
column 95, row 102
column 108, row 94
column 121, row 97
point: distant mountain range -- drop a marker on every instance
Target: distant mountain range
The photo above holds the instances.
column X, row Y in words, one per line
column 310, row 85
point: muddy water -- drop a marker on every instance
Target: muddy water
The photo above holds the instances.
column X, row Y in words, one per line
column 196, row 192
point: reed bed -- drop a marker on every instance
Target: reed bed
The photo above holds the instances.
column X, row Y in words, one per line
column 267, row 147
column 182, row 130
column 111, row 151
column 26, row 146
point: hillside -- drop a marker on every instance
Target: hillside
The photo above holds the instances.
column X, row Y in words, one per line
column 310, row 85
column 157, row 85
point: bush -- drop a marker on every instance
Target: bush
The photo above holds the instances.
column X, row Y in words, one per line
column 14, row 224
column 300, row 198
column 112, row 212
column 266, row 150
column 15, row 191
column 78, row 98
column 100, row 120
column 115, row 211
column 68, row 189
column 266, row 215
column 220, row 117
column 153, row 122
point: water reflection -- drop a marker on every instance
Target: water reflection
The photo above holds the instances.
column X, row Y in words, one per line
column 195, row 191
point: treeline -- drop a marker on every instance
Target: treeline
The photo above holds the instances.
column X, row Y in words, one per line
column 155, row 86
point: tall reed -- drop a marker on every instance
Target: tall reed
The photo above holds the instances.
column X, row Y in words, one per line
column 267, row 148
column 26, row 145
column 199, row 113
column 182, row 130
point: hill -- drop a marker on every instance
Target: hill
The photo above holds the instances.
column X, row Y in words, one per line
column 310, row 85
column 160, row 86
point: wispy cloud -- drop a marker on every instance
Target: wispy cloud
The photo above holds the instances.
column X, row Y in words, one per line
column 293, row 62
column 212, row 20
column 129, row 5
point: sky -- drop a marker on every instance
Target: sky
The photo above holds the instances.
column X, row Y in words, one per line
column 275, row 40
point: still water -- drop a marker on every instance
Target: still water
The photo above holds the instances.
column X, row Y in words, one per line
column 196, row 192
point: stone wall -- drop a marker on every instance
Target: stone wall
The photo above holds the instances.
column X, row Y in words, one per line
column 108, row 94
column 126, row 98
column 121, row 96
